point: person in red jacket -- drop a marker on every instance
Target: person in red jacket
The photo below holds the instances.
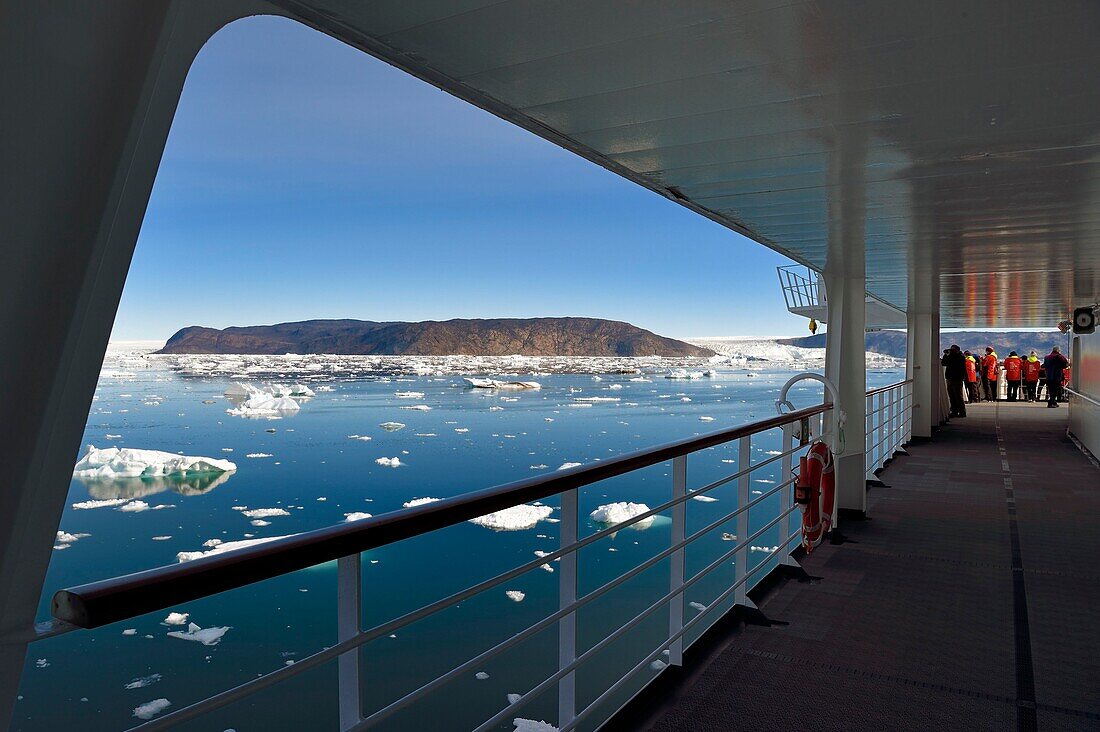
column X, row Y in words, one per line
column 971, row 378
column 990, row 363
column 1014, row 372
column 1033, row 368
column 1066, row 377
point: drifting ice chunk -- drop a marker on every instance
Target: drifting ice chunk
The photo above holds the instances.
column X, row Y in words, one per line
column 514, row 518
column 389, row 462
column 567, row 466
column 409, row 394
column 100, row 504
column 224, row 546
column 175, row 618
column 419, row 407
column 259, row 455
column 684, row 374
column 495, row 384
column 142, row 681
column 706, row 419
column 148, row 710
column 481, row 676
column 260, row 403
column 530, row 725
column 293, row 390
column 419, row 502
column 114, row 462
column 206, row 636
column 515, row 595
column 595, row 400
column 356, row 516
column 392, row 426
column 259, row 523
column 138, row 506
column 64, row 537
column 704, row 499
column 513, row 698
column 616, row 513
column 259, row 513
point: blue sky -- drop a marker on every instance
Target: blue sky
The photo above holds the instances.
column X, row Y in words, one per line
column 305, row 179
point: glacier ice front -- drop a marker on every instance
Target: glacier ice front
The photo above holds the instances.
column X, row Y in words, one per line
column 115, row 462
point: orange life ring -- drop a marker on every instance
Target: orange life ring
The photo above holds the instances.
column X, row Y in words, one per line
column 815, row 494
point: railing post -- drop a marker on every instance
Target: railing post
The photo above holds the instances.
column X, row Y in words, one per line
column 741, row 558
column 883, row 434
column 785, row 495
column 349, row 605
column 676, row 572
column 869, row 431
column 567, row 595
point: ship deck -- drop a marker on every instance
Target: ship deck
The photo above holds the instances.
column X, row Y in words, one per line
column 968, row 600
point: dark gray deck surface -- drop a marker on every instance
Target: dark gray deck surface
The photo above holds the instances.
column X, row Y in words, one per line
column 925, row 624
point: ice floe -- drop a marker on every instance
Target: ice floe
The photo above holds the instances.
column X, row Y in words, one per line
column 419, row 502
column 141, row 682
column 409, row 394
column 64, row 537
column 259, row 455
column 389, row 462
column 222, row 547
column 418, row 407
column 139, row 506
column 207, row 636
column 567, row 466
column 356, row 516
column 514, row 518
column 150, row 709
column 392, row 426
column 530, row 725
column 115, row 462
column 497, row 384
column 515, row 595
column 265, row 512
column 616, row 513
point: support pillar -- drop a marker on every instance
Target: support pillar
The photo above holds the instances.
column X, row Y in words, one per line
column 918, row 363
column 846, row 367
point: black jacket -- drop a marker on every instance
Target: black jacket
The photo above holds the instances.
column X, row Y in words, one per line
column 954, row 365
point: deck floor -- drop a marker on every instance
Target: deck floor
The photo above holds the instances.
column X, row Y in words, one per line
column 947, row 610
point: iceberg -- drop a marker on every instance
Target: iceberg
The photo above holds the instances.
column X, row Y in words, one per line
column 389, row 462
column 616, row 513
column 684, row 374
column 206, row 636
column 223, row 546
column 115, row 462
column 175, row 618
column 356, row 516
column 264, row 405
column 392, row 426
column 64, row 537
column 497, row 384
column 515, row 518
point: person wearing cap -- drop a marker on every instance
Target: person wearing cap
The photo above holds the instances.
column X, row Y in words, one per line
column 1054, row 365
column 971, row 378
column 1014, row 372
column 990, row 362
column 954, row 370
column 1033, row 368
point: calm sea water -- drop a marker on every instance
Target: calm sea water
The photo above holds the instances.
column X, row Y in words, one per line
column 469, row 439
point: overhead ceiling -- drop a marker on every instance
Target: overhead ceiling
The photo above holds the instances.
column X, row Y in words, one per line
column 956, row 140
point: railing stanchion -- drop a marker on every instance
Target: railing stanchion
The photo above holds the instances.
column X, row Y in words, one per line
column 741, row 559
column 349, row 606
column 676, row 571
column 785, row 495
column 567, row 595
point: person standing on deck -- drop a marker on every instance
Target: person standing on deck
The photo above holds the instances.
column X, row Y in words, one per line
column 1014, row 371
column 1033, row 368
column 990, row 362
column 1054, row 365
column 971, row 377
column 1066, row 376
column 954, row 366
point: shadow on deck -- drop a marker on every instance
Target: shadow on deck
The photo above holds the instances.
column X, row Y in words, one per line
column 970, row 600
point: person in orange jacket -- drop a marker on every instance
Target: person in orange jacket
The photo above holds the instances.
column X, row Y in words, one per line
column 990, row 362
column 1033, row 369
column 971, row 378
column 1014, row 372
column 1066, row 375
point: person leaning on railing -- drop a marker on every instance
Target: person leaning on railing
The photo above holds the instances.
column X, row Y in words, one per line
column 954, row 370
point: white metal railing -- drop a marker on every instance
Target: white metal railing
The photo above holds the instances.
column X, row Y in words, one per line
column 801, row 287
column 889, row 417
column 889, row 411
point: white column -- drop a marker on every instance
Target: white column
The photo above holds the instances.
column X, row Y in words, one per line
column 846, row 367
column 918, row 368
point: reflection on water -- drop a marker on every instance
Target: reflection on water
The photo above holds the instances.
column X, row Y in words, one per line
column 190, row 485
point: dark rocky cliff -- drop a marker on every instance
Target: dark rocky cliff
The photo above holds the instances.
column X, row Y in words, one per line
column 496, row 337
